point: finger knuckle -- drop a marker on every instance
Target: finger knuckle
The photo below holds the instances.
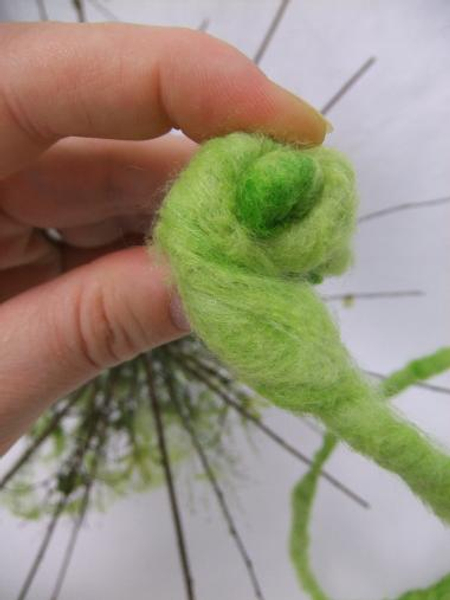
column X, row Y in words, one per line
column 103, row 338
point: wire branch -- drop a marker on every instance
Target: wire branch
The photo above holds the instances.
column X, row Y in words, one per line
column 80, row 10
column 73, row 464
column 43, row 548
column 68, row 555
column 373, row 295
column 269, row 432
column 348, row 85
column 420, row 384
column 101, row 440
column 42, row 10
column 37, row 442
column 165, row 460
column 204, row 25
column 384, row 212
column 270, row 32
column 186, row 421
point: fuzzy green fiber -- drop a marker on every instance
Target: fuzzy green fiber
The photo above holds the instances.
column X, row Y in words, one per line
column 304, row 492
column 302, row 504
column 416, row 371
column 248, row 227
column 302, row 501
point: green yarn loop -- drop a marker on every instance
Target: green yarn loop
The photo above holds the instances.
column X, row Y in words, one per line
column 244, row 249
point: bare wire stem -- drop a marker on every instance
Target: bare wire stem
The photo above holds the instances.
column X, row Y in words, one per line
column 270, row 32
column 43, row 548
column 42, row 10
column 420, row 384
column 101, row 439
column 203, row 25
column 348, row 85
column 78, row 5
column 68, row 554
column 73, row 539
column 165, row 461
column 38, row 441
column 186, row 421
column 384, row 212
column 75, row 461
column 197, row 372
column 373, row 295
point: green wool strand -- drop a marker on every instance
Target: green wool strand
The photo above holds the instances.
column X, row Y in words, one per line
column 304, row 492
column 302, row 500
column 302, row 503
column 416, row 371
column 248, row 227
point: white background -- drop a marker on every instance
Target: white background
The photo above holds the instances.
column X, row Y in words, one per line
column 395, row 126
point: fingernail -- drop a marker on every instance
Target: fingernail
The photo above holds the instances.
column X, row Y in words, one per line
column 177, row 313
column 328, row 125
column 313, row 124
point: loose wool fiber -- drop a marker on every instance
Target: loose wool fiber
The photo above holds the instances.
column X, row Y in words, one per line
column 248, row 228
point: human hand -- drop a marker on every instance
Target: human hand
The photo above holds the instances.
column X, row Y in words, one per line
column 78, row 104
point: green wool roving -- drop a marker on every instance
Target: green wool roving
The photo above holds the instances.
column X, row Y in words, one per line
column 248, row 228
column 304, row 492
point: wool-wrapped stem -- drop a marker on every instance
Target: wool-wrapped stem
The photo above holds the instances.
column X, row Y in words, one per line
column 302, row 501
column 304, row 491
column 246, row 228
column 372, row 428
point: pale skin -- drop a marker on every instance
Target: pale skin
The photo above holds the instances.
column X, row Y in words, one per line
column 84, row 110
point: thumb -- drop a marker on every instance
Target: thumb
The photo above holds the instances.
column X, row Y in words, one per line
column 60, row 334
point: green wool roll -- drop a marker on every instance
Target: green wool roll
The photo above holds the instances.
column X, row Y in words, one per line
column 304, row 492
column 303, row 497
column 248, row 228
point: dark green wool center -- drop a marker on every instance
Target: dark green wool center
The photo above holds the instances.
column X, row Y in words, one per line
column 279, row 187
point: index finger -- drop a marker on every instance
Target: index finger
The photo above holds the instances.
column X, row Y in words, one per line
column 133, row 82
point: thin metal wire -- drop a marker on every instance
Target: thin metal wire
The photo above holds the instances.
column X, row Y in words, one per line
column 373, row 295
column 80, row 10
column 68, row 554
column 384, row 212
column 75, row 462
column 98, row 456
column 204, row 25
column 43, row 548
column 420, row 384
column 42, row 10
column 270, row 32
column 269, row 432
column 36, row 443
column 187, row 424
column 348, row 85
column 165, row 461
